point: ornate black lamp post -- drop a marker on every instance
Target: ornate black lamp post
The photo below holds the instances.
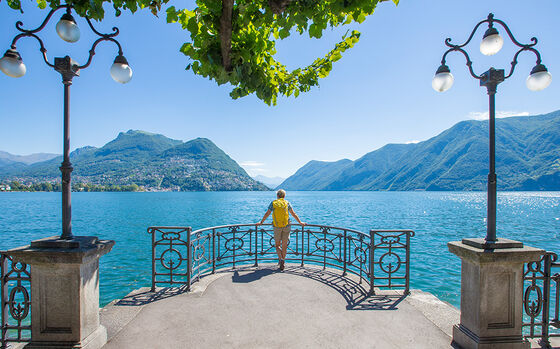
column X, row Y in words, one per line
column 538, row 79
column 12, row 65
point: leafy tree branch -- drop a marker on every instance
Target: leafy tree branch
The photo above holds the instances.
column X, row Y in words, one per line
column 234, row 41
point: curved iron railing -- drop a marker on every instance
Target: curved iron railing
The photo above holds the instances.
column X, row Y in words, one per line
column 181, row 256
column 541, row 298
column 15, row 287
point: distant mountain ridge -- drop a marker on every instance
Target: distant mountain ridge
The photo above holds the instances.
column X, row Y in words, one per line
column 146, row 159
column 271, row 182
column 7, row 158
column 527, row 158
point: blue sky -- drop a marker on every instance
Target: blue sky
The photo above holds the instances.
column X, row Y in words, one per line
column 379, row 93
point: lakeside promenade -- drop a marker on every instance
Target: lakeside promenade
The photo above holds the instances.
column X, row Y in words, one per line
column 263, row 308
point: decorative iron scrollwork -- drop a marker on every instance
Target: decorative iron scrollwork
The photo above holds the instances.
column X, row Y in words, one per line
column 390, row 239
column 533, row 307
column 324, row 245
column 171, row 252
column 171, row 259
column 390, row 262
column 199, row 252
column 214, row 248
column 15, row 280
column 394, row 261
column 19, row 309
column 538, row 299
column 360, row 254
column 234, row 244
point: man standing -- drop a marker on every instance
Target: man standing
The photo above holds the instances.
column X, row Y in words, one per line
column 280, row 209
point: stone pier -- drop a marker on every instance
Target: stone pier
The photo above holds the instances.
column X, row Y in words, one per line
column 65, row 291
column 491, row 294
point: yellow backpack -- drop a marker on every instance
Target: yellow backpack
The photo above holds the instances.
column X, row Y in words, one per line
column 280, row 215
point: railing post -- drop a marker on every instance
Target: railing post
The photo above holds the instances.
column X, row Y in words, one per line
column 151, row 231
column 407, row 276
column 302, row 246
column 189, row 259
column 345, row 257
column 256, row 246
column 234, row 245
column 4, row 295
column 546, row 301
column 213, row 251
column 371, row 261
column 557, row 288
column 324, row 249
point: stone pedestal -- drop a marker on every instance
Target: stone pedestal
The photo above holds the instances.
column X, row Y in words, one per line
column 65, row 291
column 491, row 295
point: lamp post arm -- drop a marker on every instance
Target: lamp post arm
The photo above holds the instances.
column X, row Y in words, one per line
column 448, row 40
column 92, row 51
column 45, row 21
column 469, row 62
column 514, row 61
column 41, row 48
column 109, row 35
column 103, row 37
column 510, row 34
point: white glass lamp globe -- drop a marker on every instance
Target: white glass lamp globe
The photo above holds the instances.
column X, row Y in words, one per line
column 67, row 28
column 491, row 43
column 12, row 64
column 539, row 79
column 443, row 80
column 120, row 70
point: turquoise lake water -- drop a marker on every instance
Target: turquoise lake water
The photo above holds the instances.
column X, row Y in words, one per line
column 436, row 217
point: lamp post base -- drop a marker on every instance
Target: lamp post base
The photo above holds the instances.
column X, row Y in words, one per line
column 498, row 244
column 55, row 242
column 65, row 291
column 491, row 294
column 465, row 339
column 96, row 340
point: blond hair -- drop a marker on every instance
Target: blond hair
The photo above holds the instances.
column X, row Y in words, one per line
column 281, row 193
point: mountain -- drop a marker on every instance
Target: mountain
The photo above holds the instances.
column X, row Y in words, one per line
column 7, row 158
column 146, row 159
column 315, row 175
column 271, row 182
column 527, row 158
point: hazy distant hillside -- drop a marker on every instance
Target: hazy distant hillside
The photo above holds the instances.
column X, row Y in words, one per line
column 316, row 175
column 7, row 158
column 271, row 182
column 527, row 158
column 146, row 159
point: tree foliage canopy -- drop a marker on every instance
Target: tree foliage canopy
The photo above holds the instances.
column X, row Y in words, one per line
column 235, row 41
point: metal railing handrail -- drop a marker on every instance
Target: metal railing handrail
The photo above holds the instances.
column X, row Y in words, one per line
column 293, row 224
column 227, row 246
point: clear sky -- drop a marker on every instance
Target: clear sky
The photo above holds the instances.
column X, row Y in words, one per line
column 379, row 93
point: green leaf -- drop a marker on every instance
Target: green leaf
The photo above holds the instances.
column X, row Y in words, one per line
column 15, row 4
column 336, row 56
column 361, row 18
column 284, row 33
column 172, row 15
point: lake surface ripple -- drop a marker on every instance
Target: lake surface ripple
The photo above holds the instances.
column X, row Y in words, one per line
column 436, row 217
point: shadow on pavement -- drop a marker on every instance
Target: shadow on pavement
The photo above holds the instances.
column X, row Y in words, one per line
column 356, row 295
column 252, row 276
column 147, row 297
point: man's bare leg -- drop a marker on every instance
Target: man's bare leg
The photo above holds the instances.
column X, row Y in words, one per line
column 284, row 249
column 279, row 251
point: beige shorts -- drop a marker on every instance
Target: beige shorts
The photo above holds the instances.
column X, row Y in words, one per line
column 282, row 233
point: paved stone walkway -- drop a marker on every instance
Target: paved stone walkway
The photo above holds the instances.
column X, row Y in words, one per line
column 263, row 308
